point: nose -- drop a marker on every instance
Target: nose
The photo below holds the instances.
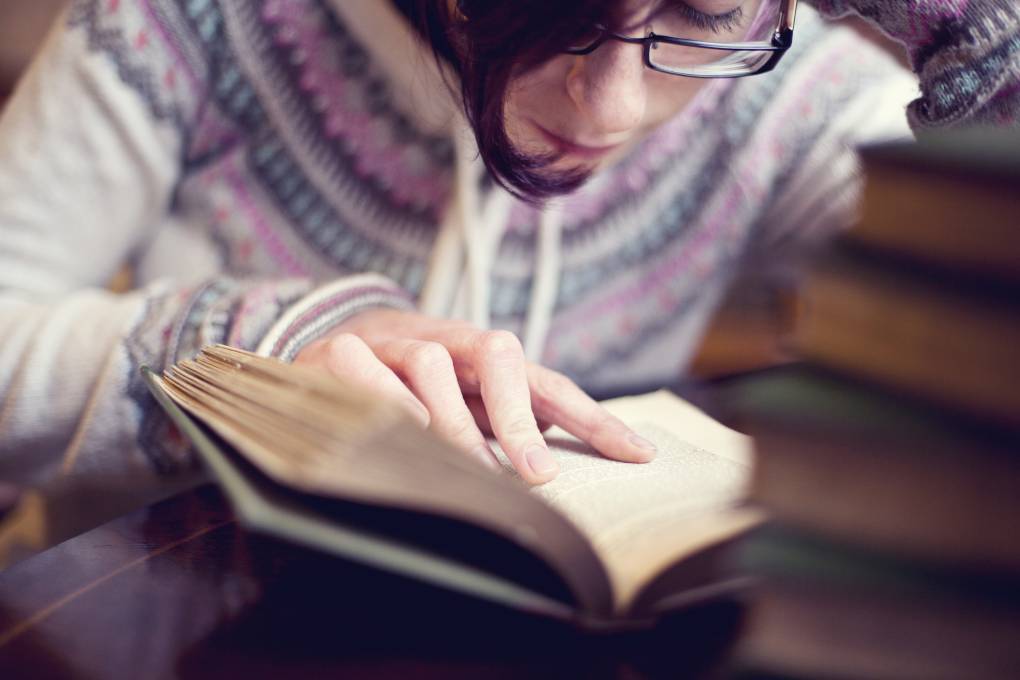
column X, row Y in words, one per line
column 608, row 87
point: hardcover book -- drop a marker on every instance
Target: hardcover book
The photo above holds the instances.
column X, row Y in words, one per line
column 308, row 459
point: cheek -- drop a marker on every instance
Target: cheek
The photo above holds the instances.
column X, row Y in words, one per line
column 516, row 111
column 542, row 96
column 668, row 95
column 538, row 96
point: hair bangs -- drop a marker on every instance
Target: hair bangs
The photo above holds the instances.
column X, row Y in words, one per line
column 490, row 42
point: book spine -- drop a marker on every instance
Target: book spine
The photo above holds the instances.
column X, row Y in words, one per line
column 965, row 225
column 947, row 349
column 957, row 508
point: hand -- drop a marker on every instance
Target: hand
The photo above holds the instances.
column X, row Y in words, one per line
column 464, row 383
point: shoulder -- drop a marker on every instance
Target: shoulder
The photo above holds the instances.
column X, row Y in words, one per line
column 836, row 61
column 154, row 46
column 835, row 83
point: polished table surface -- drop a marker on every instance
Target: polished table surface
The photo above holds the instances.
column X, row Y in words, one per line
column 180, row 590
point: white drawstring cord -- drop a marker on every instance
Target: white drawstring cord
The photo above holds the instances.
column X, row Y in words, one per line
column 546, row 281
column 470, row 235
column 446, row 266
column 488, row 235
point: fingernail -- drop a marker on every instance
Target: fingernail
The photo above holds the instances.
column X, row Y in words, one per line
column 642, row 443
column 487, row 457
column 541, row 460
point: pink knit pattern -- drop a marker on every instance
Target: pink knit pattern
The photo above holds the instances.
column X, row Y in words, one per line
column 405, row 171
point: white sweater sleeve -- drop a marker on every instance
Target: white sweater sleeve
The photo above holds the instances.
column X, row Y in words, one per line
column 85, row 174
column 88, row 169
column 85, row 171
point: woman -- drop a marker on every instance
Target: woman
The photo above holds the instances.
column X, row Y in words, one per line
column 363, row 186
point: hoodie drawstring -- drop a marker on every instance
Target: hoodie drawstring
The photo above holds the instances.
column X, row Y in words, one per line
column 459, row 281
column 545, row 283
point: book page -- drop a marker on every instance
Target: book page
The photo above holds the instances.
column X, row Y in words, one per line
column 641, row 518
column 288, row 424
column 606, row 527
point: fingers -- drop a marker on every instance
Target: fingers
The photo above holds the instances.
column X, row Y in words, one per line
column 477, row 407
column 428, row 369
column 498, row 362
column 462, row 383
column 347, row 356
column 557, row 399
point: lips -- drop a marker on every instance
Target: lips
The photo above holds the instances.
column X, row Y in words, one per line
column 567, row 147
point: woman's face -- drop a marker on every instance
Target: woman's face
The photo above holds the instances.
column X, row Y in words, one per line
column 592, row 109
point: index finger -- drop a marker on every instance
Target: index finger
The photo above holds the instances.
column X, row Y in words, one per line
column 557, row 399
column 498, row 360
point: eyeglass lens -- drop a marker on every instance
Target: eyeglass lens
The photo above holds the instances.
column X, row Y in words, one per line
column 752, row 21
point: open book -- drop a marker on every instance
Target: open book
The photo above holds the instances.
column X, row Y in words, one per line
column 304, row 457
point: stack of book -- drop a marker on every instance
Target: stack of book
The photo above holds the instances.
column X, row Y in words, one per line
column 889, row 461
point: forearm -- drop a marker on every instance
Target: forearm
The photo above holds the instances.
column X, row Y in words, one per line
column 76, row 421
column 966, row 54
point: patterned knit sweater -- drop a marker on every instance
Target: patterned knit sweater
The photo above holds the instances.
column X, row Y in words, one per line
column 270, row 168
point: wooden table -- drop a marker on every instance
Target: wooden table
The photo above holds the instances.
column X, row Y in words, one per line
column 179, row 590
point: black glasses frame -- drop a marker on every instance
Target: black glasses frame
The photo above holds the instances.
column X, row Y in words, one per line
column 781, row 41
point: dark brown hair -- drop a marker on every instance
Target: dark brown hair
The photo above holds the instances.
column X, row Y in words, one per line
column 489, row 42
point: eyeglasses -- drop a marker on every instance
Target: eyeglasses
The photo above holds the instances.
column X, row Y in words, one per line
column 765, row 37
